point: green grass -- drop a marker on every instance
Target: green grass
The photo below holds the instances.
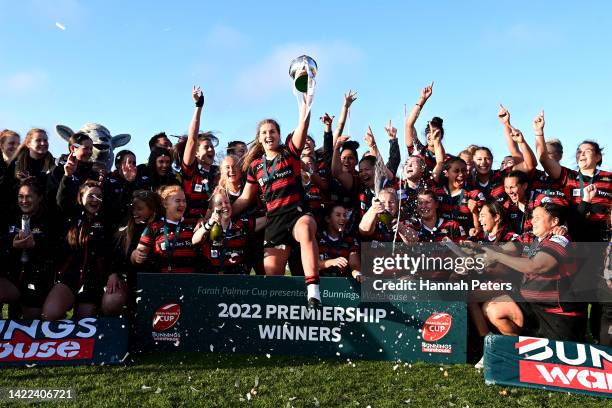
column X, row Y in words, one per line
column 189, row 379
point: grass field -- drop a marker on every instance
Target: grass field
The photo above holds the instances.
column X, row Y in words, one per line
column 229, row 380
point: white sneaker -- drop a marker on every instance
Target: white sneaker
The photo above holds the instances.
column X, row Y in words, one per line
column 480, row 363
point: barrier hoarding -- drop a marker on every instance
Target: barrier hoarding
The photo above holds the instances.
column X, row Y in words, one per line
column 64, row 342
column 269, row 315
column 548, row 364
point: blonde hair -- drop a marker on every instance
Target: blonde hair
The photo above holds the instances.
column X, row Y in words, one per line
column 22, row 155
column 166, row 191
column 223, row 180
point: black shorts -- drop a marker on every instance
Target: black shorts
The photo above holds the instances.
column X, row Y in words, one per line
column 90, row 290
column 33, row 283
column 538, row 322
column 279, row 229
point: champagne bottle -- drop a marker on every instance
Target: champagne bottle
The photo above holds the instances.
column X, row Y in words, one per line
column 386, row 218
column 216, row 232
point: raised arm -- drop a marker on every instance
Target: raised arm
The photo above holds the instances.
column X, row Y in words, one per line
column 550, row 166
column 395, row 157
column 529, row 163
column 301, row 131
column 439, row 151
column 349, row 98
column 367, row 226
column 410, row 133
column 504, row 118
column 194, row 127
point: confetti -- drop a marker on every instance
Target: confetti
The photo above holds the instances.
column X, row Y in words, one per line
column 158, row 390
column 124, row 357
column 60, row 26
column 193, row 389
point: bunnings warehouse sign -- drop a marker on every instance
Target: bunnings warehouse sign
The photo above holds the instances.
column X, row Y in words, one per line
column 64, row 342
column 269, row 315
column 549, row 364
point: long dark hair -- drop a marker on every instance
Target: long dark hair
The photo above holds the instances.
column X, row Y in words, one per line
column 78, row 234
column 150, row 199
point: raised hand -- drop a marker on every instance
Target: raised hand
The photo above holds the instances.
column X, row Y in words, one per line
column 517, row 136
column 341, row 140
column 391, row 131
column 71, row 165
column 327, row 120
column 538, row 123
column 369, row 138
column 198, row 96
column 426, row 92
column 503, row 115
column 349, row 98
column 434, row 133
column 377, row 206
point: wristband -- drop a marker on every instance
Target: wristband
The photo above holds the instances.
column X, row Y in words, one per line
column 541, row 134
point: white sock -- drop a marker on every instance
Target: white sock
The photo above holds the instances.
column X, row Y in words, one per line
column 313, row 291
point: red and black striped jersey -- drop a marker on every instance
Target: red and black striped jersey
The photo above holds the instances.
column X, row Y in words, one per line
column 574, row 182
column 547, row 287
column 227, row 256
column 503, row 235
column 456, row 207
column 313, row 198
column 382, row 233
column 494, row 188
column 170, row 246
column 519, row 221
column 331, row 248
column 542, row 183
column 279, row 180
column 198, row 184
column 444, row 229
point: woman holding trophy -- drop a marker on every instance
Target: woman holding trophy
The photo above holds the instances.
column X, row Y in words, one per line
column 274, row 172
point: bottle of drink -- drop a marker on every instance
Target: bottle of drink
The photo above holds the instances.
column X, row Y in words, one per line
column 25, row 228
column 216, row 232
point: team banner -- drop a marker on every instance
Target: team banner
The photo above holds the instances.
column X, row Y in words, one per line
column 269, row 315
column 548, row 364
column 63, row 342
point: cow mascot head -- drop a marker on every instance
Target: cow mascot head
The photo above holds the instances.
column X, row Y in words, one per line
column 103, row 142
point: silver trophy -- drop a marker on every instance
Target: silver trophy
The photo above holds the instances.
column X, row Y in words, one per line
column 301, row 69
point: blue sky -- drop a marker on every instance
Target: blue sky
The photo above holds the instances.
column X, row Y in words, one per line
column 130, row 66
